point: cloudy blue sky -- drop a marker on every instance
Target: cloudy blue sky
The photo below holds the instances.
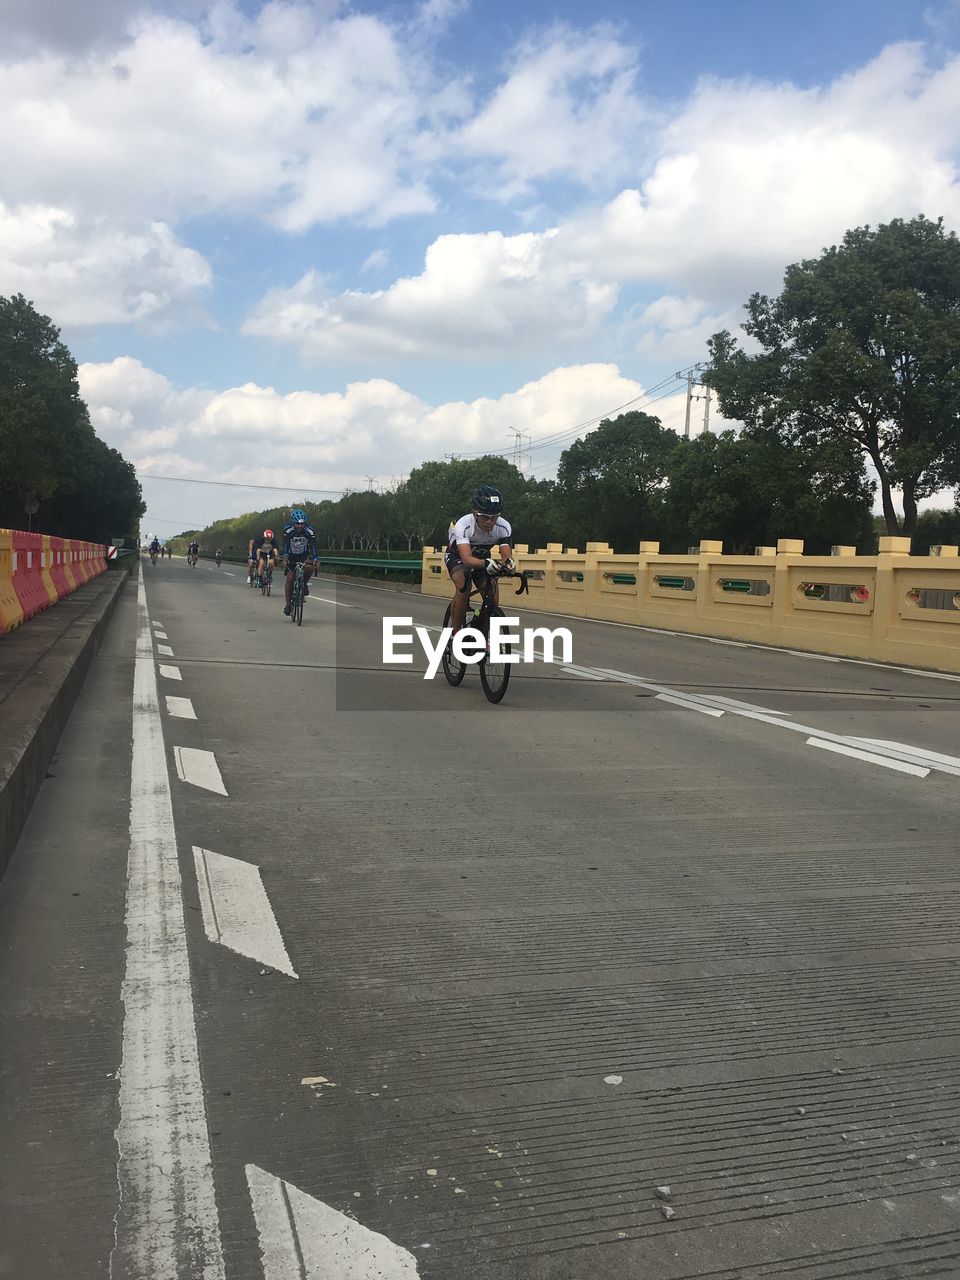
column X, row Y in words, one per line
column 309, row 244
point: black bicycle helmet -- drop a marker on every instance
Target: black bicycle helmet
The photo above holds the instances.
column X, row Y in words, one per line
column 487, row 500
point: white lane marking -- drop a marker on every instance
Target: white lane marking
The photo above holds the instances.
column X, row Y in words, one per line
column 156, row 624
column 199, row 768
column 901, row 766
column 949, row 764
column 339, row 603
column 181, row 708
column 229, row 573
column 304, row 1239
column 584, row 672
column 171, row 673
column 161, row 635
column 736, row 644
column 166, row 1224
column 888, row 752
column 733, row 703
column 165, row 650
column 690, row 705
column 237, row 911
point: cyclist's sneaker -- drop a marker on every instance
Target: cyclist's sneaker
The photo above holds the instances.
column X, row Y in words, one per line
column 306, row 589
column 287, row 610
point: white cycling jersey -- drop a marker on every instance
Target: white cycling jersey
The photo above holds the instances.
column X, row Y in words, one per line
column 468, row 530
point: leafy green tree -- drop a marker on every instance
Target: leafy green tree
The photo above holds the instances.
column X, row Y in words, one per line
column 611, row 484
column 48, row 446
column 863, row 347
column 936, row 527
column 105, row 502
column 750, row 491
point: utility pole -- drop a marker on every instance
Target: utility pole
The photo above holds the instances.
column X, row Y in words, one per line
column 369, row 480
column 691, row 383
column 518, row 446
column 706, row 410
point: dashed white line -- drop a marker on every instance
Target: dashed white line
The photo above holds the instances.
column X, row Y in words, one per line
column 165, row 650
column 304, row 1239
column 171, row 673
column 161, row 635
column 236, row 910
column 166, row 1223
column 180, row 708
column 199, row 768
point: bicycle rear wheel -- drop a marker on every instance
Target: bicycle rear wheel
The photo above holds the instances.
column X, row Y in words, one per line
column 453, row 669
column 495, row 676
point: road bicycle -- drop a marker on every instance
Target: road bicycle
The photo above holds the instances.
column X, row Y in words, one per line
column 266, row 579
column 218, row 558
column 192, row 561
column 296, row 594
column 153, row 558
column 494, row 676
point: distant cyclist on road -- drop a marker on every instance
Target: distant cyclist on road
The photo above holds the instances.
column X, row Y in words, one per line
column 154, row 549
column 299, row 547
column 219, row 555
column 193, row 552
column 472, row 544
column 267, row 554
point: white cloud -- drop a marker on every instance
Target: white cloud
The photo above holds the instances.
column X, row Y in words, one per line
column 296, row 115
column 333, row 439
column 94, row 271
column 568, row 107
column 478, row 295
column 753, row 176
column 747, row 178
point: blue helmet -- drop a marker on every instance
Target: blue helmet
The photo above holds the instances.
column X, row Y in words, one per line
column 298, row 515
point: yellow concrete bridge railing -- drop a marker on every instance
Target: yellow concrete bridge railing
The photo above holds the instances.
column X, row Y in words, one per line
column 892, row 607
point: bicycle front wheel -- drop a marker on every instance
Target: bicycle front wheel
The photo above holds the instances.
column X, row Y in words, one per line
column 453, row 669
column 495, row 676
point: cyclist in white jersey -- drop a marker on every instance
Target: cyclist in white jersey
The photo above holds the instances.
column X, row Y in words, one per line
column 475, row 538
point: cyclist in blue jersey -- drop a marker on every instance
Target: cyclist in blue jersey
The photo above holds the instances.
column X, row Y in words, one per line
column 299, row 547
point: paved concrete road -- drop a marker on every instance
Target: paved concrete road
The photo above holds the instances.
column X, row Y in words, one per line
column 419, row 985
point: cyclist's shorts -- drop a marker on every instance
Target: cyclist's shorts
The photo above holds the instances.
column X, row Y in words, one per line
column 453, row 562
column 454, row 565
column 295, row 560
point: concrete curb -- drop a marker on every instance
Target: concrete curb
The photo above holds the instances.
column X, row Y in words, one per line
column 39, row 704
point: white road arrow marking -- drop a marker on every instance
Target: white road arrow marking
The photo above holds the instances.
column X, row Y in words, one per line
column 936, row 760
column 304, row 1239
column 237, row 911
column 199, row 768
column 888, row 762
column 913, row 760
column 690, row 704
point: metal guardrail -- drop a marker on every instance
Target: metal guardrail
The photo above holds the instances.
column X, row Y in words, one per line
column 405, row 566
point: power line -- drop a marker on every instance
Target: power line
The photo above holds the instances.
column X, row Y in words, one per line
column 234, row 484
column 567, row 433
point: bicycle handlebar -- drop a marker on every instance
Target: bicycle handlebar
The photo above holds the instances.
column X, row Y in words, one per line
column 469, row 585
